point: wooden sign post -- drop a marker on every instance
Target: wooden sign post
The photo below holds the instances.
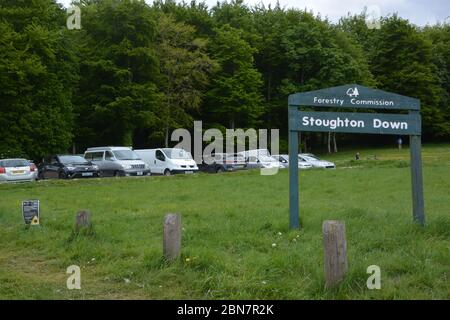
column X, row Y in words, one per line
column 356, row 97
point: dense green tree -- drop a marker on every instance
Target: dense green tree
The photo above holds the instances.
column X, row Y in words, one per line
column 119, row 72
column 194, row 13
column 185, row 69
column 134, row 72
column 234, row 98
column 37, row 75
column 439, row 35
column 402, row 63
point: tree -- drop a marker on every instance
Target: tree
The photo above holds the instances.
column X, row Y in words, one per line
column 439, row 35
column 38, row 72
column 185, row 68
column 234, row 98
column 118, row 92
column 402, row 63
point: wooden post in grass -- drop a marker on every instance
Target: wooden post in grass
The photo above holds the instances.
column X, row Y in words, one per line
column 172, row 236
column 335, row 252
column 83, row 223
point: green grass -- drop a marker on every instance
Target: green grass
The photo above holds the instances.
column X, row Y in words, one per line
column 230, row 222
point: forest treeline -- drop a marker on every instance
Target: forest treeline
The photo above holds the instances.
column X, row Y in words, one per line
column 134, row 72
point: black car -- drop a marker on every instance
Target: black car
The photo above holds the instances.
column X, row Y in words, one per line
column 67, row 167
column 222, row 162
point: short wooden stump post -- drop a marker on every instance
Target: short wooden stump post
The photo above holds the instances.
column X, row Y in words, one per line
column 335, row 252
column 172, row 236
column 83, row 223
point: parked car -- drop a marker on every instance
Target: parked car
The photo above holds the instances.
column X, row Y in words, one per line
column 117, row 161
column 15, row 170
column 221, row 162
column 283, row 159
column 168, row 161
column 315, row 161
column 67, row 167
column 260, row 158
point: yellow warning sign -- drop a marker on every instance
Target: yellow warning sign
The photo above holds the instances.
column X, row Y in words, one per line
column 35, row 221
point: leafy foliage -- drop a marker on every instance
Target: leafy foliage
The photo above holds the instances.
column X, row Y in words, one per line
column 134, row 72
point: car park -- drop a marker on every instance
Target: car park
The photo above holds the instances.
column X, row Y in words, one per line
column 67, row 167
column 222, row 162
column 283, row 159
column 117, row 161
column 17, row 170
column 315, row 161
column 168, row 161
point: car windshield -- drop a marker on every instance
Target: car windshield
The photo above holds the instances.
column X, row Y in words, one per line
column 310, row 157
column 72, row 160
column 267, row 159
column 14, row 163
column 178, row 154
column 126, row 155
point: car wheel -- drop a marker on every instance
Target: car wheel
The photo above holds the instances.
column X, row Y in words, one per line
column 116, row 174
column 167, row 172
column 62, row 175
column 220, row 170
column 40, row 176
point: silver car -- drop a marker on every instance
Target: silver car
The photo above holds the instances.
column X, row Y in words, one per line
column 16, row 170
column 315, row 161
column 284, row 161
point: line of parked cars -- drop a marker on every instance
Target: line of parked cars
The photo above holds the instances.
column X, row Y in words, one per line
column 124, row 161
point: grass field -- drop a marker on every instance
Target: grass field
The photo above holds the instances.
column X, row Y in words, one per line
column 230, row 223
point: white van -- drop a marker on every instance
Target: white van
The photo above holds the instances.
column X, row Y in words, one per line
column 117, row 161
column 260, row 158
column 168, row 161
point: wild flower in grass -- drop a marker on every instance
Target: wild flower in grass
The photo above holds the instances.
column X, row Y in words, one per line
column 279, row 233
column 294, row 240
column 264, row 282
column 274, row 245
column 188, row 259
column 127, row 280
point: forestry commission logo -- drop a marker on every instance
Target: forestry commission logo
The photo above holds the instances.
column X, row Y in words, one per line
column 352, row 92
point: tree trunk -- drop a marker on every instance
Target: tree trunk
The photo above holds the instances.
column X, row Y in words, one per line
column 166, row 138
column 306, row 146
column 334, row 143
column 300, row 142
column 329, row 142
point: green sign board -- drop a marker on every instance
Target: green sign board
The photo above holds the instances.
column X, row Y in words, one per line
column 358, row 122
column 355, row 97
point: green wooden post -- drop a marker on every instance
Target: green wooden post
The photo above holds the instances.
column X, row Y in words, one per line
column 294, row 219
column 416, row 179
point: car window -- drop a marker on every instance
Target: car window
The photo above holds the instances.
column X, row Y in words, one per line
column 109, row 155
column 94, row 156
column 14, row 163
column 160, row 156
column 126, row 155
column 177, row 154
column 252, row 159
column 310, row 157
column 72, row 160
